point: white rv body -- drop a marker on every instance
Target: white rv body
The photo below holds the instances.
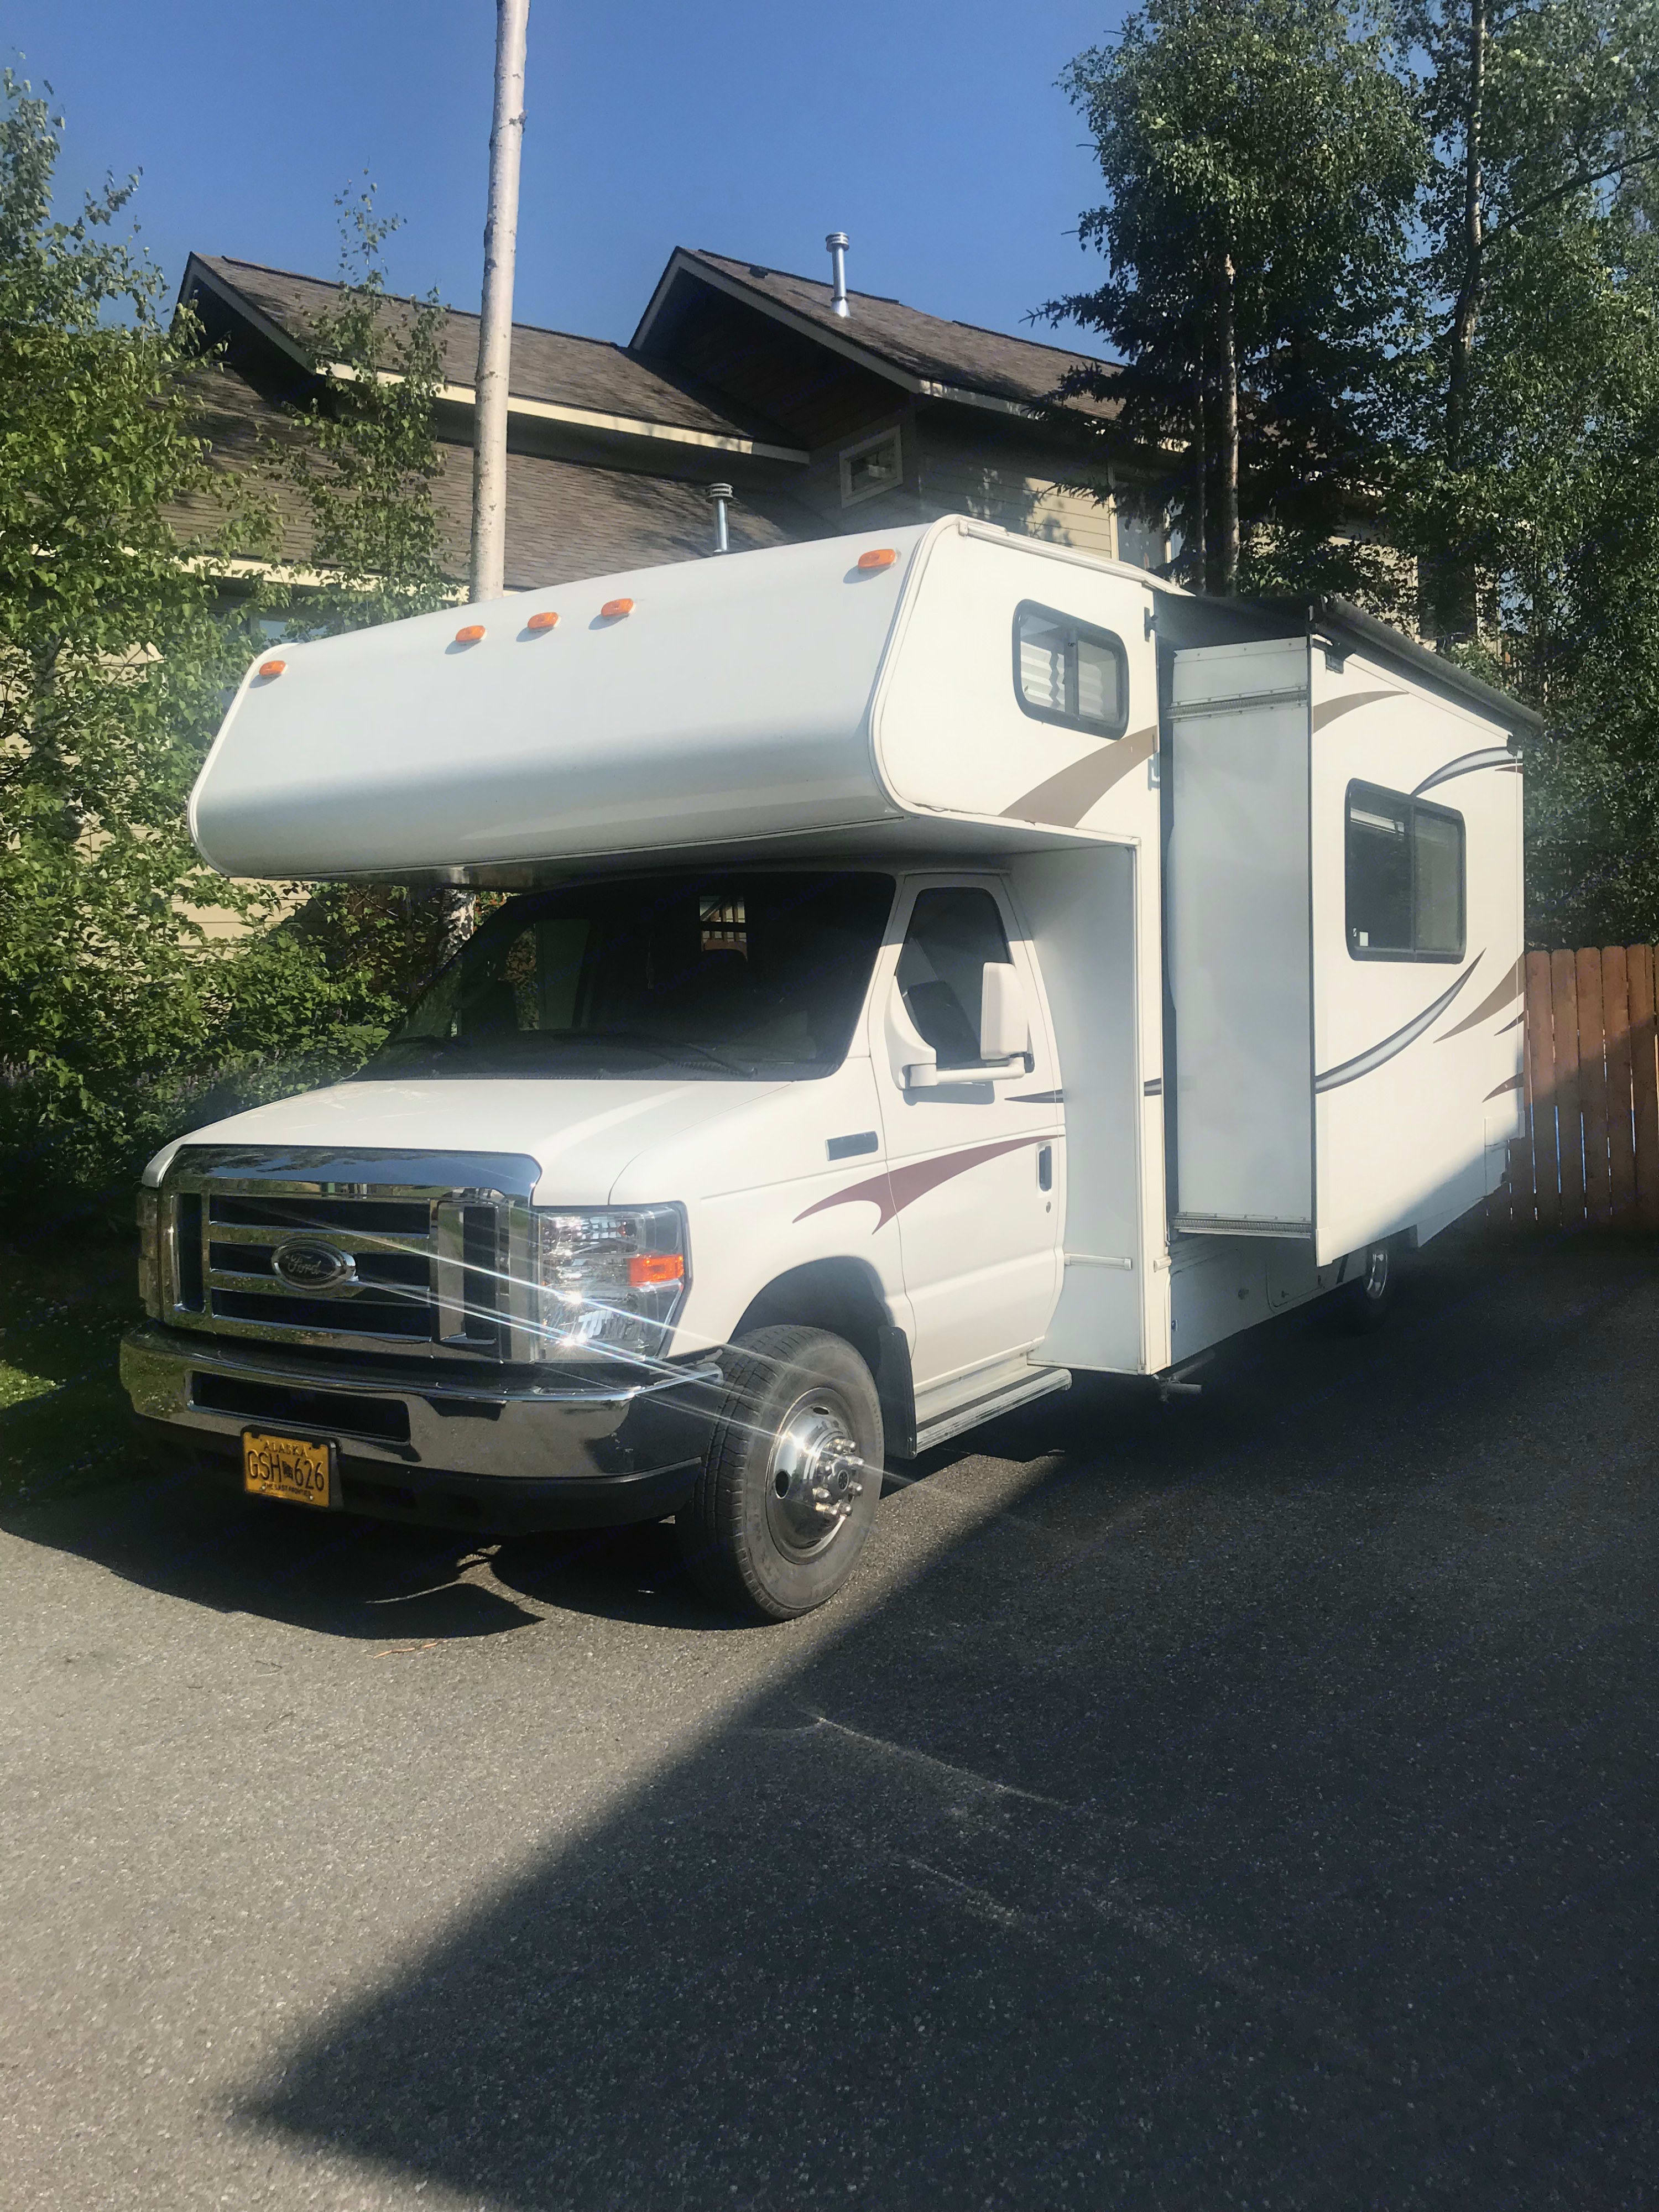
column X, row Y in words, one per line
column 1229, row 1094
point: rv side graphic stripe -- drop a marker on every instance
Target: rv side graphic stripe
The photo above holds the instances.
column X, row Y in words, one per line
column 1065, row 799
column 1465, row 764
column 895, row 1188
column 1509, row 1082
column 1363, row 1063
column 1503, row 994
column 1328, row 709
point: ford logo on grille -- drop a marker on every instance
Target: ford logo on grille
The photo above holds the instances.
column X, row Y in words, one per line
column 305, row 1264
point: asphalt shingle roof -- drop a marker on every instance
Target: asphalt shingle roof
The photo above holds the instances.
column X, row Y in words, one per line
column 564, row 519
column 1024, row 370
column 547, row 365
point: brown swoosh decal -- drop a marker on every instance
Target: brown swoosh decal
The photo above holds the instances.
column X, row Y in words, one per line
column 1328, row 709
column 1502, row 994
column 1497, row 757
column 895, row 1188
column 1509, row 1082
column 1065, row 799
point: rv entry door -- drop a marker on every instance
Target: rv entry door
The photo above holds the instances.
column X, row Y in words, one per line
column 974, row 1146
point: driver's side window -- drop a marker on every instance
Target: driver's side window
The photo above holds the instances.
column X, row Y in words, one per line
column 953, row 932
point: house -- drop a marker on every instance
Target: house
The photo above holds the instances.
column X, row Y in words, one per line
column 822, row 420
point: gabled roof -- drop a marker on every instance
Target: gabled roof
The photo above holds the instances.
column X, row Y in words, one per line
column 564, row 519
column 586, row 382
column 921, row 353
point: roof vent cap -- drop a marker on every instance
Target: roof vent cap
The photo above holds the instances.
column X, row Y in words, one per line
column 837, row 243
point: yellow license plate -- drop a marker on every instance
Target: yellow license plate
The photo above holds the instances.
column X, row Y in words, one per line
column 294, row 1467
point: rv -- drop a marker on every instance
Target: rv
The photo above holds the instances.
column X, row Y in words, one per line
column 929, row 969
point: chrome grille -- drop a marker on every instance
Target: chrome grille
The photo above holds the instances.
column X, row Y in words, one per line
column 427, row 1266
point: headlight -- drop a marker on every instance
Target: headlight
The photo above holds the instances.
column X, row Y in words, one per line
column 612, row 1279
column 150, row 1252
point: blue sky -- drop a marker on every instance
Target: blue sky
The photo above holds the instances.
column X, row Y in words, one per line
column 929, row 130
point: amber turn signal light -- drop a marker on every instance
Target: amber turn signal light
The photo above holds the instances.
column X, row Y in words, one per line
column 546, row 620
column 272, row 667
column 879, row 557
column 614, row 608
column 647, row 1268
column 468, row 633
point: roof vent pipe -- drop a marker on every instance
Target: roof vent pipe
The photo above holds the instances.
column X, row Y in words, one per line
column 720, row 493
column 836, row 243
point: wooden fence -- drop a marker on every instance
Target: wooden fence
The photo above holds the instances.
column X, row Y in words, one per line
column 1590, row 1149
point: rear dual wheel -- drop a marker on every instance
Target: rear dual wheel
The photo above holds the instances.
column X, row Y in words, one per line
column 792, row 1477
column 1367, row 1299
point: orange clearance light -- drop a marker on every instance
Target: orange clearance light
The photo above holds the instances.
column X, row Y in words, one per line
column 879, row 557
column 272, row 667
column 546, row 620
column 611, row 611
column 646, row 1268
column 468, row 633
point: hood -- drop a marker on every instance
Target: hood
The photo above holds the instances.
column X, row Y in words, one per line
column 582, row 1134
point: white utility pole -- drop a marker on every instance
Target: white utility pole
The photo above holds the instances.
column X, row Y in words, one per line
column 495, row 321
column 457, row 908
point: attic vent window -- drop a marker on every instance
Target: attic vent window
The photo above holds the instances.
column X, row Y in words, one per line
column 1066, row 671
column 877, row 465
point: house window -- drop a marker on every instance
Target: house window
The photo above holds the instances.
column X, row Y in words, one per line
column 1405, row 876
column 723, row 926
column 1066, row 672
column 1143, row 538
column 877, row 465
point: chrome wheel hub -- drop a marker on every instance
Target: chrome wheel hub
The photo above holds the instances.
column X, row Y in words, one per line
column 1376, row 1271
column 814, row 1476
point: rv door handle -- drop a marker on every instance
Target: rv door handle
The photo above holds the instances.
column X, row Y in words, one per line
column 1045, row 1167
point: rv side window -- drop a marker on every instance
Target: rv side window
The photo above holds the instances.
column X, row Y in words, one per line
column 1405, row 871
column 1066, row 672
column 941, row 968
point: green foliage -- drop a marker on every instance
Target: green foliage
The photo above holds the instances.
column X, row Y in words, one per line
column 1259, row 154
column 363, row 474
column 1448, row 310
column 122, row 1020
column 1532, row 496
column 364, row 469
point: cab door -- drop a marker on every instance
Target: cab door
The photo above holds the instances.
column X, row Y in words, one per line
column 974, row 1159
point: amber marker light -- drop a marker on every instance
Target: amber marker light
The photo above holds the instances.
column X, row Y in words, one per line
column 647, row 1268
column 879, row 557
column 468, row 633
column 546, row 620
column 612, row 611
column 272, row 667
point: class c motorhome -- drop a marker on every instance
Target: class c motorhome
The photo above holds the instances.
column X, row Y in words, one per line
column 930, row 969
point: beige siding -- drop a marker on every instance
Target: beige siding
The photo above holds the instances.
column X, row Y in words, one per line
column 1008, row 489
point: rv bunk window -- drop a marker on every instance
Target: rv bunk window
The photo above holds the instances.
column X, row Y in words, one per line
column 1066, row 672
column 1405, row 871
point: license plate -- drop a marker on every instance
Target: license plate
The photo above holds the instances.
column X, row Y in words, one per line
column 295, row 1467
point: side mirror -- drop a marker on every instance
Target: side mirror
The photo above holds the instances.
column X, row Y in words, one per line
column 1005, row 1020
column 913, row 1061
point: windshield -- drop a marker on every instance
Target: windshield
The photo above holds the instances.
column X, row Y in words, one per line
column 731, row 975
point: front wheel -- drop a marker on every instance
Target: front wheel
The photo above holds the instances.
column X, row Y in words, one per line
column 791, row 1477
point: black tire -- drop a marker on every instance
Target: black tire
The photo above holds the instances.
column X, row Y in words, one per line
column 793, row 1397
column 1366, row 1300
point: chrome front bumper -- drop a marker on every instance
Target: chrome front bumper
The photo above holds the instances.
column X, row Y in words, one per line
column 457, row 1444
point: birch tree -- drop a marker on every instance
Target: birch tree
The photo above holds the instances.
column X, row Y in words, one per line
column 1261, row 159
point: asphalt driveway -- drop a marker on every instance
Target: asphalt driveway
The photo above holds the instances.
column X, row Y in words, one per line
column 1250, row 1802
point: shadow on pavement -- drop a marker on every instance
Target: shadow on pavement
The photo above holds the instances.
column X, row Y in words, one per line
column 1258, row 1810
